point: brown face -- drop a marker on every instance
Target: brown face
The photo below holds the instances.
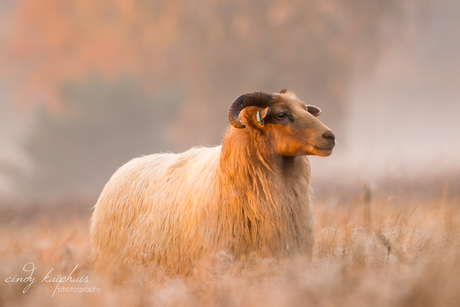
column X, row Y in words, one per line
column 292, row 126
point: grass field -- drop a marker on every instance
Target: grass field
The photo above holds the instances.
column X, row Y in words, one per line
column 391, row 244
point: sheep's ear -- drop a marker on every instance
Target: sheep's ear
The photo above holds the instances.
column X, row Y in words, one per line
column 315, row 111
column 260, row 116
column 282, row 91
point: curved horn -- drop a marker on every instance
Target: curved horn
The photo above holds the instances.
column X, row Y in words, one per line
column 260, row 99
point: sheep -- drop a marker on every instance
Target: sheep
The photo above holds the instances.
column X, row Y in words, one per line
column 250, row 195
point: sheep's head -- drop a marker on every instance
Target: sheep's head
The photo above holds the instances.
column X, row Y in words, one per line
column 290, row 124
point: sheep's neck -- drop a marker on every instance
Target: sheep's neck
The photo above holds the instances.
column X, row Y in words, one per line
column 253, row 171
column 252, row 157
column 244, row 160
column 254, row 182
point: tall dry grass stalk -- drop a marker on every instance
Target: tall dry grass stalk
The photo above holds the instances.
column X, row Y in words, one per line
column 372, row 251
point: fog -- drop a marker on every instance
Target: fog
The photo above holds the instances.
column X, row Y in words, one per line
column 78, row 101
column 403, row 118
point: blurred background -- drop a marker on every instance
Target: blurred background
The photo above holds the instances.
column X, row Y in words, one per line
column 87, row 85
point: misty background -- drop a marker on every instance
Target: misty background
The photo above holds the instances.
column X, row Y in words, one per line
column 87, row 85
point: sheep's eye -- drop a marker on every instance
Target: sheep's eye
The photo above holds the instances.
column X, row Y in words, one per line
column 281, row 116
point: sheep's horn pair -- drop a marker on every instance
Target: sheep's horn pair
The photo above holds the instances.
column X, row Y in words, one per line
column 259, row 99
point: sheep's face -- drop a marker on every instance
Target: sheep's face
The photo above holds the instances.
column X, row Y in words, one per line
column 291, row 126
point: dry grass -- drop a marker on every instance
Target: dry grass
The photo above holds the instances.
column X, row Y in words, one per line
column 379, row 248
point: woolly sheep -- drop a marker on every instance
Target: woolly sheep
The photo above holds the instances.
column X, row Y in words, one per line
column 251, row 195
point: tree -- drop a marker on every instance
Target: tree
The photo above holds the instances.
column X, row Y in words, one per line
column 207, row 51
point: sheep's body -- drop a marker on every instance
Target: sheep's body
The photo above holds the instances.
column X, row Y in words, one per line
column 249, row 196
column 147, row 210
column 172, row 209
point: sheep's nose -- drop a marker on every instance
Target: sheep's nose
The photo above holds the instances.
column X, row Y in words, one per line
column 329, row 135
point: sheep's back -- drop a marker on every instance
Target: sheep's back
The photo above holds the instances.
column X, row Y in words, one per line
column 151, row 207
